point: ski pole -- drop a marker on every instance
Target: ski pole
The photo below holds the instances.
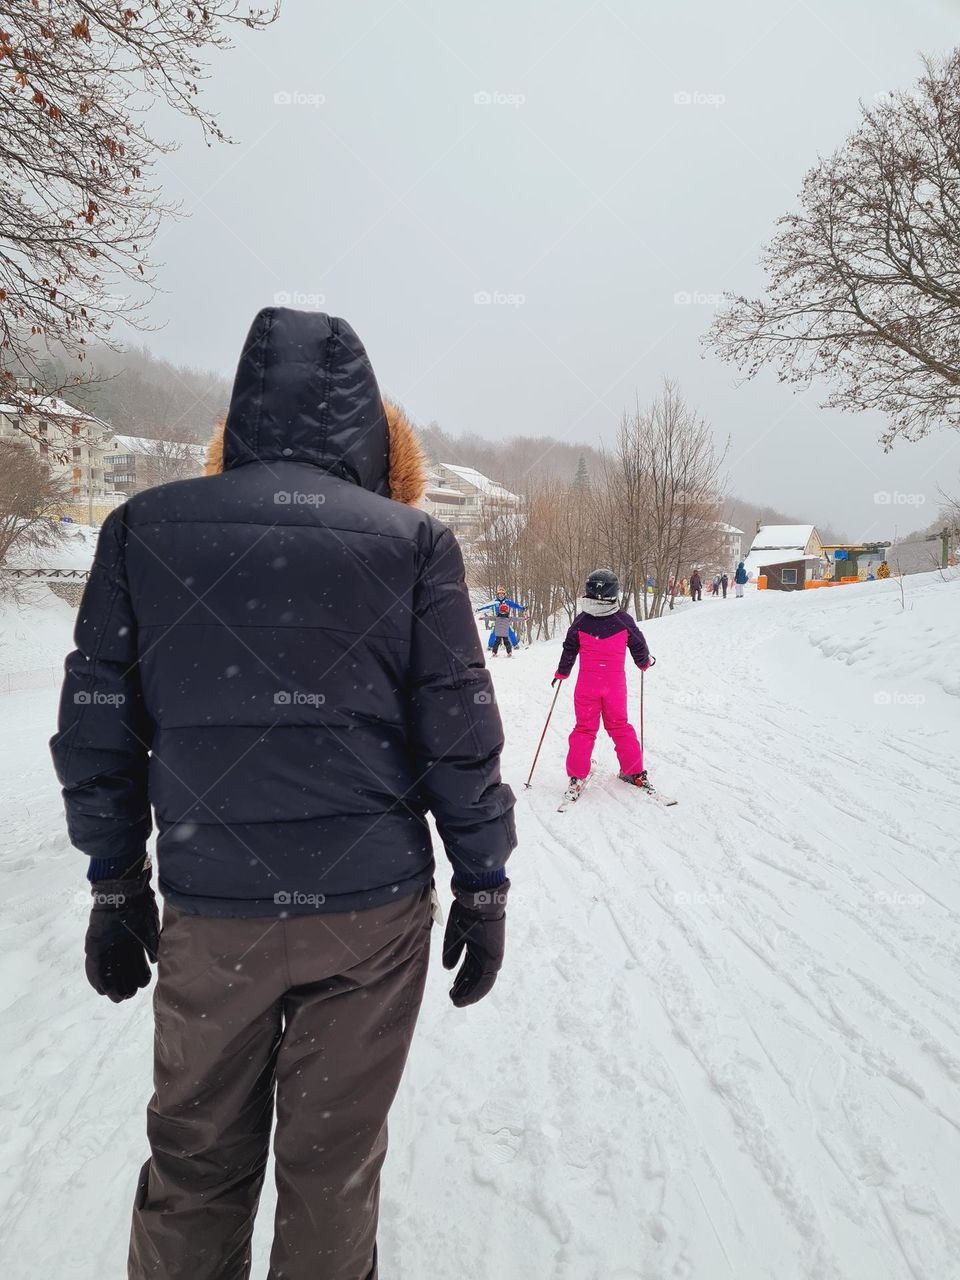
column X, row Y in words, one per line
column 544, row 734
column 642, row 674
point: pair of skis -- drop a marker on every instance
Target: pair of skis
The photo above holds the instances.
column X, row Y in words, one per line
column 575, row 790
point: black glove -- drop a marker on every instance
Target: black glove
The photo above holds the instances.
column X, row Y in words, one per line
column 478, row 923
column 123, row 933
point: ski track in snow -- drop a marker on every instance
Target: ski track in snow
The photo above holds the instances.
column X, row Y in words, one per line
column 726, row 1042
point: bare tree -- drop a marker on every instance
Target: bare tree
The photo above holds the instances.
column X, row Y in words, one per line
column 651, row 510
column 175, row 459
column 619, row 509
column 575, row 541
column 495, row 552
column 78, row 205
column 661, row 507
column 529, row 549
column 864, row 281
column 30, row 498
column 536, row 571
column 557, row 552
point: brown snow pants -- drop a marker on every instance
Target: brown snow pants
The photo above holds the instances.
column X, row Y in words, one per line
column 317, row 1010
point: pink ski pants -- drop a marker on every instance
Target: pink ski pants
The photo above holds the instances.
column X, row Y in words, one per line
column 602, row 695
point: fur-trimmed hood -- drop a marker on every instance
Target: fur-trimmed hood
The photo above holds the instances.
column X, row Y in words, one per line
column 305, row 392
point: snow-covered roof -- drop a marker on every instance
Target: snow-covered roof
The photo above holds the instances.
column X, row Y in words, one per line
column 758, row 560
column 54, row 407
column 781, row 537
column 148, row 445
column 135, row 444
column 439, row 487
column 490, row 488
column 728, row 528
column 48, row 404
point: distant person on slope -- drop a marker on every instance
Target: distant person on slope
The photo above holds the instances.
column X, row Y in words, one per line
column 501, row 597
column 502, row 632
column 600, row 635
column 724, row 583
column 496, row 606
column 740, row 579
column 715, row 588
column 696, row 585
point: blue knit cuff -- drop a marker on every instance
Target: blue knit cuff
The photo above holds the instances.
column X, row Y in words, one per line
column 482, row 880
column 112, row 868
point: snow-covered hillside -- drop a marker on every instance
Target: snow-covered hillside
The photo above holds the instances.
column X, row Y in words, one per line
column 35, row 628
column 726, row 1042
column 74, row 550
column 34, row 639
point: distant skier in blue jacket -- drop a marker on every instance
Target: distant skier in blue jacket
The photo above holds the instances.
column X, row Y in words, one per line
column 501, row 598
column 502, row 633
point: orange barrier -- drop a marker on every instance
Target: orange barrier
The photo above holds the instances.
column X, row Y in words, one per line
column 762, row 582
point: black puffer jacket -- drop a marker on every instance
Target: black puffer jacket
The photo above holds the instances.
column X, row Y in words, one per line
column 284, row 662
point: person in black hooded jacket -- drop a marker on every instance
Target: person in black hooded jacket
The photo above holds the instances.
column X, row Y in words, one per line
column 279, row 661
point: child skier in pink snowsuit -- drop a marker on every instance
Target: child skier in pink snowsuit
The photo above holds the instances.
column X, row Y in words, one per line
column 600, row 635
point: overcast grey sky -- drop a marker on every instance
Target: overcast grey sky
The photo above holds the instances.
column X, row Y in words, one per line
column 384, row 192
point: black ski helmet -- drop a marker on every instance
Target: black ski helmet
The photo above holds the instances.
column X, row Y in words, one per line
column 603, row 584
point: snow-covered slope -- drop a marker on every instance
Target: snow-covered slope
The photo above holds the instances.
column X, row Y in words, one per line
column 35, row 635
column 726, row 1041
column 75, row 550
column 36, row 626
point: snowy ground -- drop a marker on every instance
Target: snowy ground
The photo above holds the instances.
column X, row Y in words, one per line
column 727, row 1038
column 73, row 551
column 35, row 632
column 34, row 637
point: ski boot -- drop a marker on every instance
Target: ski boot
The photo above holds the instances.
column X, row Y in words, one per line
column 574, row 787
column 638, row 780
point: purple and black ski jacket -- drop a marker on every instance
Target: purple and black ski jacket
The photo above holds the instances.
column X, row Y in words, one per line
column 603, row 639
